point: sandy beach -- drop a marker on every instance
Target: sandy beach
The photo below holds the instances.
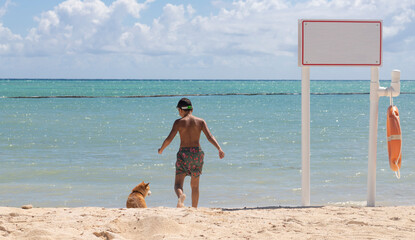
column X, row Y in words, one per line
column 328, row 222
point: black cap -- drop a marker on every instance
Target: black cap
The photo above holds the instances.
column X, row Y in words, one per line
column 185, row 104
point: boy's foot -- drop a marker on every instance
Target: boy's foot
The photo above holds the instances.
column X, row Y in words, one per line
column 180, row 202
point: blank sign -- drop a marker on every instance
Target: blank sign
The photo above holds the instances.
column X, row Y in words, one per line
column 339, row 43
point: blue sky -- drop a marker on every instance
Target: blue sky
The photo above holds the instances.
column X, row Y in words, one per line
column 199, row 39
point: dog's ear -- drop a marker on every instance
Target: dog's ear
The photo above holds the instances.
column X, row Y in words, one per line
column 143, row 182
column 147, row 184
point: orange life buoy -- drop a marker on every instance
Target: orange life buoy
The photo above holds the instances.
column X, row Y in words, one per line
column 393, row 132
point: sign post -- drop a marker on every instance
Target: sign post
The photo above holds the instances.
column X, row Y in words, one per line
column 305, row 136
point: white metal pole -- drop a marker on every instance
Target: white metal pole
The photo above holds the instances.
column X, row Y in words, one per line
column 305, row 136
column 373, row 134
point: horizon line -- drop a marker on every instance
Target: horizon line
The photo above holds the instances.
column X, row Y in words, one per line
column 181, row 79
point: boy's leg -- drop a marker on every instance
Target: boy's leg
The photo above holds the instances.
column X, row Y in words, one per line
column 194, row 184
column 178, row 188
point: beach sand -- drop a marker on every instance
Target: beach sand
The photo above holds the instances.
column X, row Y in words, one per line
column 328, row 222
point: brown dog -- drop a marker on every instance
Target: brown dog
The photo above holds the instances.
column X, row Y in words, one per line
column 137, row 195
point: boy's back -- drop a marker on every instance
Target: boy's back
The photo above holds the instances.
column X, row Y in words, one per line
column 190, row 128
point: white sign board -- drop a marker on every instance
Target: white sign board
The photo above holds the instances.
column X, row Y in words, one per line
column 339, row 43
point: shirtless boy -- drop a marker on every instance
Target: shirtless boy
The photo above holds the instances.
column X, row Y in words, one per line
column 190, row 156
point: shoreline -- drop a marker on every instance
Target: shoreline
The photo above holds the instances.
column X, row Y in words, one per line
column 319, row 222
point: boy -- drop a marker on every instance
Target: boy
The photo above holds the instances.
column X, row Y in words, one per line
column 190, row 156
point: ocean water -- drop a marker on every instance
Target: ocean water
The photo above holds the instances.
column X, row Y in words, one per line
column 73, row 143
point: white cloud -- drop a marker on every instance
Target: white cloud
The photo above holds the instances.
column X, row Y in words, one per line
column 130, row 6
column 247, row 27
column 3, row 9
column 10, row 44
column 76, row 26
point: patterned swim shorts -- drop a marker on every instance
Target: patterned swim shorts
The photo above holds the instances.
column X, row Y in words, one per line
column 190, row 161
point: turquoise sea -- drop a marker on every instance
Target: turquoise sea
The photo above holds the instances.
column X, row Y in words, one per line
column 73, row 143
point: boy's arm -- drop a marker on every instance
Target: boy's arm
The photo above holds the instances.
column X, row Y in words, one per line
column 212, row 139
column 169, row 138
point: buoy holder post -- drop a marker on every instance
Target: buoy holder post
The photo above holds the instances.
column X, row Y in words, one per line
column 376, row 91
